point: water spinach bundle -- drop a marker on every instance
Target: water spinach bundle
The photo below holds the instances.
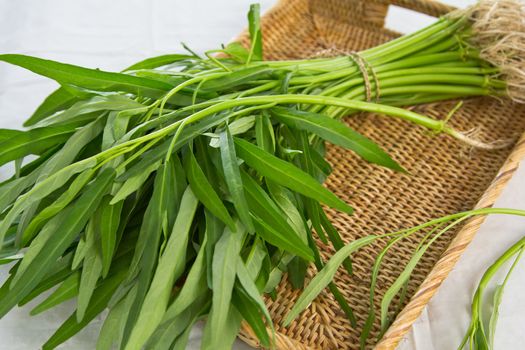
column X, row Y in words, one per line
column 184, row 187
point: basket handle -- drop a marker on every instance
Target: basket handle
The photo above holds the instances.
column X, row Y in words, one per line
column 428, row 7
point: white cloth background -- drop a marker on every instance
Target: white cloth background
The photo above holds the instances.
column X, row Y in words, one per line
column 113, row 34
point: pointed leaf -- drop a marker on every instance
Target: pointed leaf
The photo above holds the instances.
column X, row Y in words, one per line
column 224, row 271
column 91, row 270
column 133, row 183
column 109, row 224
column 68, row 224
column 204, row 191
column 287, row 174
column 236, row 51
column 67, row 197
column 51, row 280
column 324, row 277
column 224, row 340
column 93, row 79
column 71, row 326
column 101, row 104
column 264, row 133
column 169, row 269
column 6, row 134
column 254, row 28
column 33, row 141
column 58, row 100
column 158, row 61
column 233, row 179
column 170, row 332
column 67, row 290
column 251, row 315
column 337, row 133
column 194, row 288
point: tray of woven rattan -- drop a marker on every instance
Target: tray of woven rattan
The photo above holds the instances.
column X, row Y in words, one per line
column 443, row 177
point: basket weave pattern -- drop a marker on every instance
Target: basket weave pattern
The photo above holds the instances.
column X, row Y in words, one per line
column 444, row 177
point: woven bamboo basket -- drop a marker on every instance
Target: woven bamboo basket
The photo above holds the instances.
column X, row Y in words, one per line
column 445, row 177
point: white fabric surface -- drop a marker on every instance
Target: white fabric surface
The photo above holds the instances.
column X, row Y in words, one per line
column 112, row 35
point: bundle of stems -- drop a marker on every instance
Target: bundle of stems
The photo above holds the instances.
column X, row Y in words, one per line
column 183, row 187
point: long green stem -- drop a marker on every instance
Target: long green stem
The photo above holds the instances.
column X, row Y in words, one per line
column 476, row 308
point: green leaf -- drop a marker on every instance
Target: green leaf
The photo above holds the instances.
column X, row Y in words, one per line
column 93, row 79
column 47, row 248
column 232, row 175
column 153, row 217
column 204, row 191
column 109, row 224
column 91, row 269
column 498, row 297
column 101, row 104
column 40, row 191
column 158, row 61
column 6, row 134
column 241, row 125
column 71, row 326
column 335, row 238
column 112, row 324
column 236, row 51
column 264, row 133
column 225, row 258
column 337, row 133
column 133, row 183
column 396, row 286
column 146, row 253
column 236, row 78
column 188, row 134
column 297, row 272
column 282, row 240
column 496, row 301
column 281, row 197
column 171, row 331
column 232, row 325
column 56, row 276
column 270, row 222
column 33, row 141
column 67, row 290
column 254, row 28
column 61, row 98
column 313, row 208
column 238, row 126
column 59, row 162
column 10, row 191
column 7, row 257
column 249, row 289
column 214, row 230
column 324, row 277
column 80, row 253
column 250, row 312
column 54, row 174
column 58, row 100
column 320, row 162
column 287, row 175
column 255, row 259
column 51, row 210
column 193, row 289
column 169, row 269
column 181, row 343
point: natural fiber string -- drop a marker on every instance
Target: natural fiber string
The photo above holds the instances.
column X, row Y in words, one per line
column 364, row 66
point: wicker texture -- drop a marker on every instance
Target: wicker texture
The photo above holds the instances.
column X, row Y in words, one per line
column 445, row 177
